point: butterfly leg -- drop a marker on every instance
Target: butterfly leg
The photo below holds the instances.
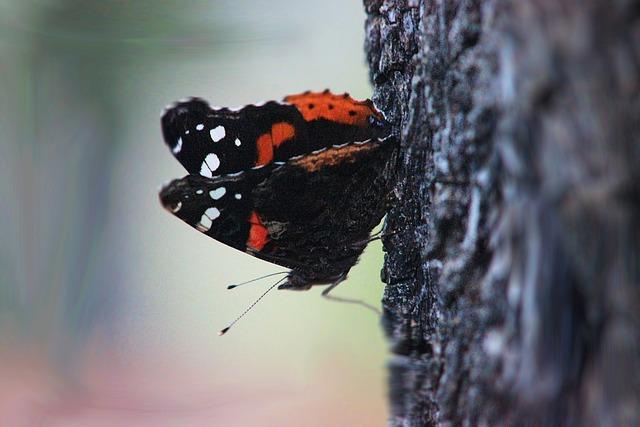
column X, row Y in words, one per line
column 379, row 235
column 325, row 294
column 376, row 236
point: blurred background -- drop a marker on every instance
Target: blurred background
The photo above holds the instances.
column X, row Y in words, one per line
column 109, row 306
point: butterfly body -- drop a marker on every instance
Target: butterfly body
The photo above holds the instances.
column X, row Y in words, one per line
column 303, row 190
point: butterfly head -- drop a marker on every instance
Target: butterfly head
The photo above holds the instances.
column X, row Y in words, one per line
column 377, row 122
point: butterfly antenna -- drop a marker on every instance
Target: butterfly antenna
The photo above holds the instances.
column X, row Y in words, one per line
column 256, row 279
column 224, row 331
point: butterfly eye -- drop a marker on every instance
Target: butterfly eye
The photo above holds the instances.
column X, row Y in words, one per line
column 377, row 123
column 380, row 124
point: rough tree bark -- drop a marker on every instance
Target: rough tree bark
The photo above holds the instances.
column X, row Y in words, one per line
column 513, row 269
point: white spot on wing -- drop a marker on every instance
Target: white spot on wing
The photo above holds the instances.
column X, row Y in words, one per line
column 238, row 143
column 178, row 147
column 204, row 225
column 212, row 213
column 238, row 196
column 186, row 132
column 210, row 164
column 217, row 193
column 199, row 126
column 217, row 133
column 207, row 219
column 199, row 191
column 205, row 171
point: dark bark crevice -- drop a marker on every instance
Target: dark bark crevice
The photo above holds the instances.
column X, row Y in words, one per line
column 513, row 267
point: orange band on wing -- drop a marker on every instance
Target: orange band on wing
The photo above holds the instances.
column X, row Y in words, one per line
column 334, row 156
column 258, row 233
column 336, row 108
column 264, row 147
column 279, row 133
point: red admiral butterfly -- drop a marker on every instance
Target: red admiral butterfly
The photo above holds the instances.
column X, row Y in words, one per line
column 299, row 183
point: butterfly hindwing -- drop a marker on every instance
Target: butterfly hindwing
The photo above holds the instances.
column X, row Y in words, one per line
column 302, row 214
column 324, row 203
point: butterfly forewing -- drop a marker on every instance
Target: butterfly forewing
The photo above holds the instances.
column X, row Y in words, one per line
column 212, row 142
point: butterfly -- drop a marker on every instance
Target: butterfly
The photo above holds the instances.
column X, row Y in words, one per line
column 299, row 183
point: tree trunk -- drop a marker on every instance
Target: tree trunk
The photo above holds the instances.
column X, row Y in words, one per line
column 513, row 244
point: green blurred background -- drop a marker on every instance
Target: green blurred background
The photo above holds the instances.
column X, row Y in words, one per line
column 109, row 306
